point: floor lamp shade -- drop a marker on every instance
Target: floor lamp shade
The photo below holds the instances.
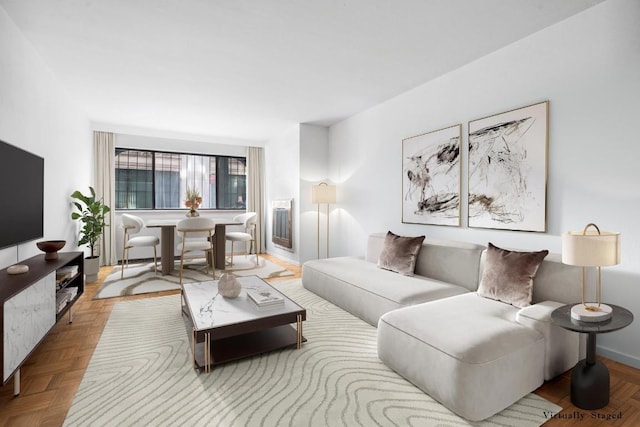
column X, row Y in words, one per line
column 591, row 248
column 323, row 193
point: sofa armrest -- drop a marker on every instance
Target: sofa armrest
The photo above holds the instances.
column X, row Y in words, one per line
column 562, row 347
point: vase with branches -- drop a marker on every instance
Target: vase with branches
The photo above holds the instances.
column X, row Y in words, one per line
column 192, row 201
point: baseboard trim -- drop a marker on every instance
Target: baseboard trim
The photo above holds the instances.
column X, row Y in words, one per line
column 282, row 257
column 623, row 358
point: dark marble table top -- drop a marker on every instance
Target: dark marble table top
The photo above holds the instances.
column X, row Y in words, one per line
column 620, row 318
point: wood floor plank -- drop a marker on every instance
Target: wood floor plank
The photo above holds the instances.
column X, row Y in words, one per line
column 24, row 404
column 25, row 420
column 36, row 384
column 54, row 371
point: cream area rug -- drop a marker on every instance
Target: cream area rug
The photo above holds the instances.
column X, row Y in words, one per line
column 141, row 374
column 141, row 279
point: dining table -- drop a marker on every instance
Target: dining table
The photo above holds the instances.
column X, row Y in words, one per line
column 167, row 241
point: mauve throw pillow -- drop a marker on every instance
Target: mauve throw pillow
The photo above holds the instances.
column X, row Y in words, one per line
column 508, row 275
column 399, row 253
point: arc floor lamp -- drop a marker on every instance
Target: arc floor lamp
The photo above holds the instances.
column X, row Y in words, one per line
column 323, row 193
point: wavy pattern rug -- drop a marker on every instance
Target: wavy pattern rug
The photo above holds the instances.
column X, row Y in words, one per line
column 141, row 279
column 141, row 375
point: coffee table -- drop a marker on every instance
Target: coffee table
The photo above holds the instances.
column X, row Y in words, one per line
column 225, row 329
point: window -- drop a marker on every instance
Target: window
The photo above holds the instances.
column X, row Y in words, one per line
column 134, row 183
column 159, row 180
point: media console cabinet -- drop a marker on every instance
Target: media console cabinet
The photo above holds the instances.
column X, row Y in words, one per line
column 32, row 303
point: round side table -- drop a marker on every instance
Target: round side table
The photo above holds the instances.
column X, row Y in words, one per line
column 590, row 377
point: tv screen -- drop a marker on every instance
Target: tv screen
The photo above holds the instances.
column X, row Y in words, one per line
column 21, row 195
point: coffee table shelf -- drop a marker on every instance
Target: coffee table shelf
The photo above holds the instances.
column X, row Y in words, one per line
column 230, row 329
column 238, row 347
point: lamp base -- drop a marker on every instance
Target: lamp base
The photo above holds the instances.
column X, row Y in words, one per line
column 580, row 312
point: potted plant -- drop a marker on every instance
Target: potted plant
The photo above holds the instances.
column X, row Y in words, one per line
column 91, row 213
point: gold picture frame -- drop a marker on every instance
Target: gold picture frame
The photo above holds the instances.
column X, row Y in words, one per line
column 508, row 169
column 431, row 177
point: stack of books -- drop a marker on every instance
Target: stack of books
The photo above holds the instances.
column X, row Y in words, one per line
column 62, row 299
column 265, row 298
column 65, row 296
column 64, row 274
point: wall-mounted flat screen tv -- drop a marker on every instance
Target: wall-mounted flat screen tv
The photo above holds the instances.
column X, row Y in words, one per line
column 21, row 195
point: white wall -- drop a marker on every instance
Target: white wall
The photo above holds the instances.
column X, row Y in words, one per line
column 179, row 145
column 282, row 175
column 588, row 67
column 295, row 161
column 172, row 135
column 314, row 162
column 37, row 115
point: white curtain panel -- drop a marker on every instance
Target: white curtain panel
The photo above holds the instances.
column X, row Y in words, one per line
column 255, row 192
column 104, row 167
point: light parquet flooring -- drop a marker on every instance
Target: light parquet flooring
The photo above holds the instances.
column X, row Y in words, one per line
column 52, row 374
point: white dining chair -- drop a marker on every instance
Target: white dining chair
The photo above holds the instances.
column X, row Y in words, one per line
column 248, row 221
column 197, row 236
column 132, row 225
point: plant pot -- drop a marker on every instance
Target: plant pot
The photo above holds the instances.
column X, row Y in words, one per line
column 91, row 268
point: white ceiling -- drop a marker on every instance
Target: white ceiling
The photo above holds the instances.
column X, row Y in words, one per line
column 251, row 68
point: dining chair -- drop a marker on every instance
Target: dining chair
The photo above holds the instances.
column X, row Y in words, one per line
column 248, row 221
column 197, row 236
column 132, row 225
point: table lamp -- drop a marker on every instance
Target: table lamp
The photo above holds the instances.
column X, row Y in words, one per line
column 323, row 193
column 591, row 248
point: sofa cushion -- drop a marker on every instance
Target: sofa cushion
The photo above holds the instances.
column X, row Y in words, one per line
column 508, row 275
column 366, row 291
column 399, row 253
column 553, row 272
column 467, row 352
column 466, row 327
column 447, row 261
column 562, row 346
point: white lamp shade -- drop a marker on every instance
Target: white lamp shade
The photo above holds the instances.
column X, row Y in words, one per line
column 591, row 249
column 323, row 193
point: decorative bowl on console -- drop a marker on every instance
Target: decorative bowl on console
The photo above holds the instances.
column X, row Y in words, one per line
column 51, row 247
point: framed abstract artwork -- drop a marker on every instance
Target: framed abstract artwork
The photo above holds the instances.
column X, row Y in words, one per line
column 431, row 177
column 507, row 169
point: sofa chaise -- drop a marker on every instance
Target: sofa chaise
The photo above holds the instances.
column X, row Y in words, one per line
column 443, row 331
column 357, row 285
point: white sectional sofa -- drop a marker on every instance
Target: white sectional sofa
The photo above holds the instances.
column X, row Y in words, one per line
column 475, row 355
column 358, row 286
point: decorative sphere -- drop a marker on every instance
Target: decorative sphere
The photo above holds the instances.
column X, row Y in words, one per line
column 229, row 286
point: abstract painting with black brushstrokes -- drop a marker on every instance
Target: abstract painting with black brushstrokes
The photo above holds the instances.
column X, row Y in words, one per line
column 508, row 169
column 431, row 177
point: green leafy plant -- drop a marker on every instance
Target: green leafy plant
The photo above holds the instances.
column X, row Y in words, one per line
column 91, row 213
